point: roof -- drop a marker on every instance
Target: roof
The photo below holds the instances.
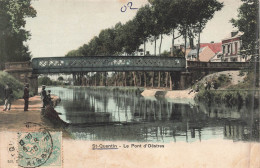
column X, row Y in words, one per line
column 205, row 54
column 215, row 47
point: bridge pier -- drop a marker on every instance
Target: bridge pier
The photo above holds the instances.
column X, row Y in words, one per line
column 22, row 71
column 179, row 80
column 185, row 80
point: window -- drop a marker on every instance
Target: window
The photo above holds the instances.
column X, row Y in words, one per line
column 235, row 47
column 231, row 48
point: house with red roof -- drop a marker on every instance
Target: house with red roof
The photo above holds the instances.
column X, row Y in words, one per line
column 207, row 52
column 215, row 47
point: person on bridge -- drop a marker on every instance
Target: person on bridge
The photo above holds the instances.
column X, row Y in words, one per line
column 26, row 96
column 8, row 97
column 44, row 96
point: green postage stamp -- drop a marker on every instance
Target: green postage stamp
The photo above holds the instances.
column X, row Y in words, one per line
column 36, row 147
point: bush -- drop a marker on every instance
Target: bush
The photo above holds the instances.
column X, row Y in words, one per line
column 222, row 80
column 246, row 84
column 236, row 96
column 47, row 81
column 14, row 84
column 226, row 97
column 204, row 95
column 44, row 81
column 241, row 73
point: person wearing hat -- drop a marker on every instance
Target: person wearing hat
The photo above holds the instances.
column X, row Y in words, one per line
column 44, row 96
column 26, row 96
column 8, row 93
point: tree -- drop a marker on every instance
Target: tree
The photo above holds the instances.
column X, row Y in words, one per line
column 106, row 38
column 74, row 53
column 143, row 20
column 12, row 32
column 247, row 23
column 161, row 16
column 152, row 21
column 130, row 37
column 60, row 78
column 204, row 11
column 118, row 41
column 45, row 81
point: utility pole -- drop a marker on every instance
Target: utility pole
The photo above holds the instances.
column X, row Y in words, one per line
column 257, row 49
column 258, row 46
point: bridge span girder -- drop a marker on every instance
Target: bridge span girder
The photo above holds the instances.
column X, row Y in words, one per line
column 106, row 64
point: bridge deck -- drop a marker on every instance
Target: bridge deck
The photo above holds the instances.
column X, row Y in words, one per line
column 106, row 64
column 119, row 63
column 218, row 66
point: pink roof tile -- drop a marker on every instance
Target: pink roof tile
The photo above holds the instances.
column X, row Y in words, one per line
column 215, row 47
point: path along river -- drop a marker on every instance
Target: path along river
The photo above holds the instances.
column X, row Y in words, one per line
column 106, row 114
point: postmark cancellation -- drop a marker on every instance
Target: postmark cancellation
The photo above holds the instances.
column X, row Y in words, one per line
column 34, row 147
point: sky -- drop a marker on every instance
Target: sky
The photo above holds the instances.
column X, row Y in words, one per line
column 64, row 25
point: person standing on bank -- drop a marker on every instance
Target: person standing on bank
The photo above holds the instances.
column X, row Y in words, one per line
column 26, row 96
column 49, row 98
column 8, row 97
column 44, row 97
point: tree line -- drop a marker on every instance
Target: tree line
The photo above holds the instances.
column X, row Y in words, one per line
column 159, row 17
column 187, row 18
column 248, row 23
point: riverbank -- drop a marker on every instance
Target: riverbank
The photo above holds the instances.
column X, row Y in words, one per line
column 15, row 119
column 174, row 94
column 230, row 87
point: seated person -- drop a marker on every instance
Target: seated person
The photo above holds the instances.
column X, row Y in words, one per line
column 49, row 98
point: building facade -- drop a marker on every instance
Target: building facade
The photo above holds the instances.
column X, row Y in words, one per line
column 231, row 47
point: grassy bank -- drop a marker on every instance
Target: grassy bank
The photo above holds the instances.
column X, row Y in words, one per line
column 14, row 84
column 229, row 97
column 226, row 93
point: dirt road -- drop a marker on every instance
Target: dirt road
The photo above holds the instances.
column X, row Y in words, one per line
column 15, row 119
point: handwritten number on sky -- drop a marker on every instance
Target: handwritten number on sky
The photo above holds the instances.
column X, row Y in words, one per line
column 129, row 4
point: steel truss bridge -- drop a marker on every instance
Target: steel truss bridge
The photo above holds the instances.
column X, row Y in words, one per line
column 128, row 63
column 106, row 64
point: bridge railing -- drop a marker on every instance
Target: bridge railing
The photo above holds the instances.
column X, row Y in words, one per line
column 107, row 63
column 218, row 65
column 17, row 65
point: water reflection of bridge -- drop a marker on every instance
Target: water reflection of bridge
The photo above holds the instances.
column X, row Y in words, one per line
column 151, row 119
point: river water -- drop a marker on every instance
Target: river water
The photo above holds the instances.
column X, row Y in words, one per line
column 106, row 114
